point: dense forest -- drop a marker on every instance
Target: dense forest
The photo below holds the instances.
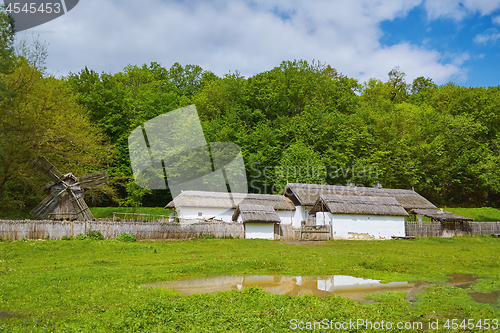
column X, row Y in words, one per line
column 297, row 122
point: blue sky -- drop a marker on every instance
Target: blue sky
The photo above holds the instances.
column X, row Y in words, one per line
column 449, row 36
column 446, row 40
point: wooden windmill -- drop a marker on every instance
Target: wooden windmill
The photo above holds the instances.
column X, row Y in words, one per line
column 65, row 200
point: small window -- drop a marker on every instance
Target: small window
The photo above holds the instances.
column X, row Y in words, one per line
column 200, row 214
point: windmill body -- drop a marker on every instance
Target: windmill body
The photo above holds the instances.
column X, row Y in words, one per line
column 65, row 200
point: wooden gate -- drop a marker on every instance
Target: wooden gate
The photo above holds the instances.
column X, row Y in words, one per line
column 315, row 232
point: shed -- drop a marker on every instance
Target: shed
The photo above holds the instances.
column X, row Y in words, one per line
column 360, row 217
column 304, row 196
column 260, row 221
column 222, row 205
column 439, row 215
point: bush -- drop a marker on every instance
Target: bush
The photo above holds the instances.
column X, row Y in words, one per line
column 202, row 236
column 81, row 237
column 95, row 235
column 67, row 237
column 124, row 237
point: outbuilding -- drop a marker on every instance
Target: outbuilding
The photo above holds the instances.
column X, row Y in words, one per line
column 360, row 217
column 439, row 215
column 260, row 221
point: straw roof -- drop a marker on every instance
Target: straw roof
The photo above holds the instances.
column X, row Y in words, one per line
column 229, row 200
column 440, row 215
column 256, row 213
column 359, row 205
column 307, row 194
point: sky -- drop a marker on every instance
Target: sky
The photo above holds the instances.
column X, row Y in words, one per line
column 446, row 40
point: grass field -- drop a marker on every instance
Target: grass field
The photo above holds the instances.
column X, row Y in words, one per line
column 96, row 286
column 107, row 212
column 484, row 214
column 98, row 212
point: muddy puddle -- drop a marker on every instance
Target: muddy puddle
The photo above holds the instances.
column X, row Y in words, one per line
column 343, row 285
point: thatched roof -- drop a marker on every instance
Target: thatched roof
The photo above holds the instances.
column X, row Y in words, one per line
column 307, row 194
column 358, row 205
column 256, row 213
column 440, row 215
column 229, row 200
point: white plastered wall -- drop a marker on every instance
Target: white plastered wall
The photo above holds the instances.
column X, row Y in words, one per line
column 286, row 216
column 299, row 215
column 193, row 213
column 259, row 230
column 363, row 226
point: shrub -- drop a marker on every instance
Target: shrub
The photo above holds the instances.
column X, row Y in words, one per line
column 95, row 234
column 124, row 237
column 202, row 236
column 81, row 237
column 67, row 237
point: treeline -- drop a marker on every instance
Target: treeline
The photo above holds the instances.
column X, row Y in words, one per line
column 302, row 122
column 298, row 122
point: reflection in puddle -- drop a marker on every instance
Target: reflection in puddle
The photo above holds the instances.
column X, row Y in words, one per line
column 346, row 286
column 463, row 281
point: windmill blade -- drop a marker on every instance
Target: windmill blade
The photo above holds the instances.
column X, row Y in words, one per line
column 48, row 168
column 98, row 178
column 82, row 210
column 43, row 209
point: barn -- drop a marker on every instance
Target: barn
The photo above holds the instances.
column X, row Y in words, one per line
column 360, row 217
column 203, row 205
column 259, row 221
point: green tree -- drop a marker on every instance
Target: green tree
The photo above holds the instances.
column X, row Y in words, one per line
column 43, row 119
column 7, row 55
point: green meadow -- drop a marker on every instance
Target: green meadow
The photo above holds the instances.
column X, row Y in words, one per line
column 107, row 212
column 483, row 214
column 97, row 285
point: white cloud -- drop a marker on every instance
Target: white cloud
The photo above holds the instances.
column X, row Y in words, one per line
column 496, row 20
column 458, row 9
column 250, row 36
column 490, row 35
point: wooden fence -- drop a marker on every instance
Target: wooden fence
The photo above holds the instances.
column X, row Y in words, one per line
column 284, row 232
column 450, row 229
column 42, row 229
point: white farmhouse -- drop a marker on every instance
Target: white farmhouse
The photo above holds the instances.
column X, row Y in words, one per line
column 201, row 205
column 304, row 196
column 360, row 217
